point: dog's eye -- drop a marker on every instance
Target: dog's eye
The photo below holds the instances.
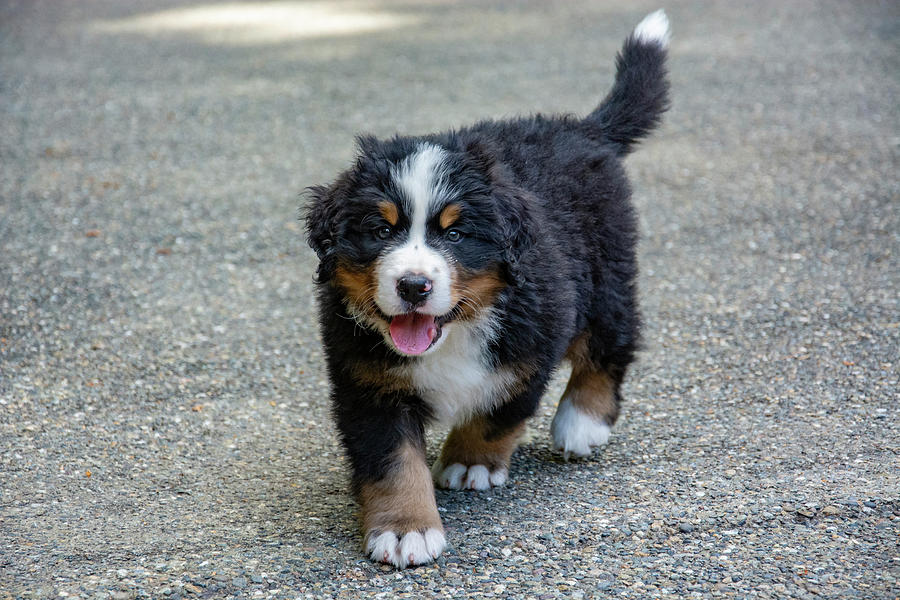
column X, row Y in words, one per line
column 383, row 232
column 453, row 235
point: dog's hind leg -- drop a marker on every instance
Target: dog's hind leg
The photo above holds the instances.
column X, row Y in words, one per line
column 589, row 406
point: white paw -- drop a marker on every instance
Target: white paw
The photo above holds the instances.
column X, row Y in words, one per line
column 414, row 548
column 475, row 477
column 576, row 432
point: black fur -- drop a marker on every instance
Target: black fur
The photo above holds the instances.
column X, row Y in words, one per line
column 545, row 202
column 639, row 98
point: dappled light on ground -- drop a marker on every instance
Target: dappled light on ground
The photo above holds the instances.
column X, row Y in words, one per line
column 246, row 23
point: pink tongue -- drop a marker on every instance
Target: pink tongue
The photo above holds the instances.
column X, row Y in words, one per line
column 413, row 333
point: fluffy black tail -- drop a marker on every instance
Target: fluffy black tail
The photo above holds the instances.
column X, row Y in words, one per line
column 640, row 94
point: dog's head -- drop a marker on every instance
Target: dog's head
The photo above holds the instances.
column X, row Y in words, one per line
column 417, row 236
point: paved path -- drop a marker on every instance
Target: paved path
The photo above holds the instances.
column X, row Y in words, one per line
column 163, row 421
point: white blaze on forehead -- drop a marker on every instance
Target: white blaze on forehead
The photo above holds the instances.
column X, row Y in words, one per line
column 421, row 180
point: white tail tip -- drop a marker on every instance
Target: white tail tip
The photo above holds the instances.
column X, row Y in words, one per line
column 654, row 29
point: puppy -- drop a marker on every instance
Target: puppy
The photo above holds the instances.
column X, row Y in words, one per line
column 457, row 270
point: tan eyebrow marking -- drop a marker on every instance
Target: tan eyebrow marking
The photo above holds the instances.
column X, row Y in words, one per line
column 449, row 215
column 388, row 210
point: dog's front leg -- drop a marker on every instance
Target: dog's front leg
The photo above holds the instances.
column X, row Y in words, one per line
column 400, row 520
column 477, row 452
column 476, row 455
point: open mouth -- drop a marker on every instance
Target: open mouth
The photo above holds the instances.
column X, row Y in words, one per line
column 413, row 333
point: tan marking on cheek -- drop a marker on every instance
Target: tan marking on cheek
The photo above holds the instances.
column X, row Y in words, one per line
column 359, row 287
column 389, row 211
column 449, row 215
column 358, row 283
column 467, row 444
column 402, row 501
column 475, row 291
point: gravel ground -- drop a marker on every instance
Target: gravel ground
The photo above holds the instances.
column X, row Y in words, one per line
column 164, row 429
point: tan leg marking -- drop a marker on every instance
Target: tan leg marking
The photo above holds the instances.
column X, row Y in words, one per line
column 466, row 444
column 404, row 500
column 469, row 460
column 378, row 375
column 588, row 407
column 593, row 392
column 400, row 521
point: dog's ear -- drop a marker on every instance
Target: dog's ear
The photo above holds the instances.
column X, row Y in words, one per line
column 514, row 207
column 320, row 213
column 323, row 211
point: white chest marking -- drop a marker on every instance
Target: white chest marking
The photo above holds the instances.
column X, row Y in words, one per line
column 456, row 379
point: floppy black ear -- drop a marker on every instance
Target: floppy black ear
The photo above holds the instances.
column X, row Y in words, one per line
column 514, row 206
column 320, row 212
column 324, row 208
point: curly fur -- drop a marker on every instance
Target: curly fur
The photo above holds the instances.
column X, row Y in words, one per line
column 544, row 209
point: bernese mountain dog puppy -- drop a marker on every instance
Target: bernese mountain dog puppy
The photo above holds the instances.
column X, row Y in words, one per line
column 457, row 271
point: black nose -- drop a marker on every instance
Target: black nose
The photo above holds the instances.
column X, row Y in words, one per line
column 414, row 288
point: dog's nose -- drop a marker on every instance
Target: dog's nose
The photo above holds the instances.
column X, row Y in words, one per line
column 413, row 288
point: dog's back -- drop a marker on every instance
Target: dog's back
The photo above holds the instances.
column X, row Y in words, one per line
column 579, row 192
